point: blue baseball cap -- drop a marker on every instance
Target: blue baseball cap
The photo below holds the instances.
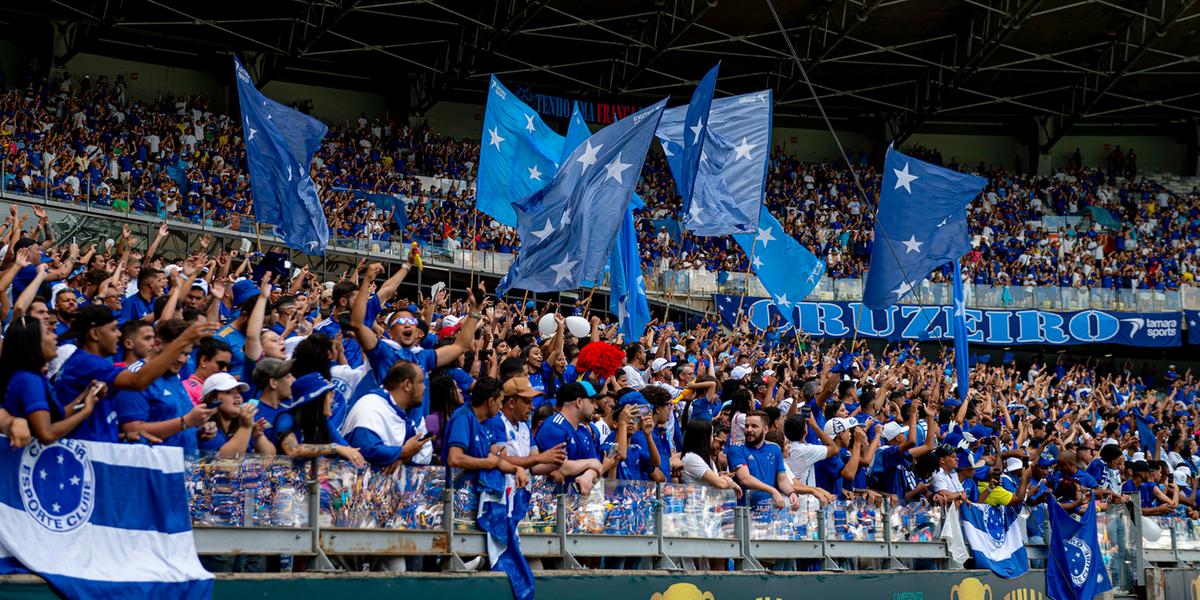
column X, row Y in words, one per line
column 632, row 398
column 242, row 291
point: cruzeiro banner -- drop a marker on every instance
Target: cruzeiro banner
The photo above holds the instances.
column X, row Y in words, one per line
column 1000, row 327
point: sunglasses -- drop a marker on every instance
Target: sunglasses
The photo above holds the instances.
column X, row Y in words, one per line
column 223, row 365
column 404, row 321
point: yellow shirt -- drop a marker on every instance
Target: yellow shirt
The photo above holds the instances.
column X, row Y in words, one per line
column 997, row 496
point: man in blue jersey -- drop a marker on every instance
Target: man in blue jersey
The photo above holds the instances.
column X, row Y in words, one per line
column 380, row 425
column 570, row 427
column 758, row 467
column 163, row 411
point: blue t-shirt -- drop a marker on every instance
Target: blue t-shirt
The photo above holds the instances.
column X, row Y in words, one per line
column 165, row 399
column 237, row 349
column 895, row 463
column 765, row 464
column 557, row 430
column 828, row 472
column 76, row 375
column 29, row 392
column 135, row 307
column 465, row 431
column 384, row 355
column 637, row 465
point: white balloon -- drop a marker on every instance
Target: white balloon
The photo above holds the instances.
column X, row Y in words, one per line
column 547, row 326
column 1150, row 530
column 579, row 326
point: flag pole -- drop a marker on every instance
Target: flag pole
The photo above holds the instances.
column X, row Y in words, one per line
column 745, row 283
column 587, row 305
column 474, row 245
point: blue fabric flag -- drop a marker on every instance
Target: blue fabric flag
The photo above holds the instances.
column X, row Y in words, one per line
column 518, row 155
column 65, row 513
column 921, row 225
column 568, row 228
column 696, row 128
column 501, row 507
column 280, row 144
column 627, row 285
column 996, row 538
column 1074, row 563
column 960, row 334
column 731, row 179
column 786, row 269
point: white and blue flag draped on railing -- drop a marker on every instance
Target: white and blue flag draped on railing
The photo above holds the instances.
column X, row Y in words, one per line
column 502, row 505
column 735, row 158
column 996, row 535
column 921, row 225
column 568, row 228
column 788, row 270
column 519, row 154
column 99, row 520
column 1074, row 563
column 280, row 144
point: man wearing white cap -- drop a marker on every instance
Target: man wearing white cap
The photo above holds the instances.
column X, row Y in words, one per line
column 833, row 472
column 897, row 478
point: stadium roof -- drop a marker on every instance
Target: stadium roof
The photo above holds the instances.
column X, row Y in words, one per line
column 909, row 62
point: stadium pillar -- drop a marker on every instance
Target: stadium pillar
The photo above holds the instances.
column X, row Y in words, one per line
column 60, row 34
column 1192, row 143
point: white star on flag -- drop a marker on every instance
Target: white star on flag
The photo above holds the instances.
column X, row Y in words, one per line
column 782, row 300
column 666, row 146
column 496, row 139
column 764, row 236
column 566, row 218
column 696, row 130
column 74, row 480
column 289, row 172
column 959, row 309
column 757, row 262
column 703, row 156
column 534, row 173
column 743, row 150
column 943, row 223
column 694, row 213
column 529, row 124
column 42, row 474
column 60, row 459
column 903, row 179
column 615, row 168
column 250, row 136
column 912, row 245
column 588, row 158
column 545, row 232
column 622, row 310
column 903, row 289
column 563, row 269
column 55, row 507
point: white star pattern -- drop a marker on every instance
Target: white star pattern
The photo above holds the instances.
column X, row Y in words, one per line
column 75, row 480
column 694, row 213
column 912, row 245
column 959, row 309
column 545, row 232
column 943, row 223
column 289, row 172
column 250, row 136
column 566, row 218
column 496, row 139
column 765, row 236
column 42, row 474
column 666, row 146
column 563, row 269
column 703, row 156
column 903, row 289
column 55, row 507
column 782, row 300
column 697, row 129
column 615, row 168
column 757, row 262
column 903, row 179
column 529, row 124
column 743, row 150
column 534, row 173
column 60, row 459
column 622, row 309
column 588, row 158
column 61, row 486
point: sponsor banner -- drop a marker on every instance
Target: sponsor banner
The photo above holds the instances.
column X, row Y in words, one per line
column 999, row 327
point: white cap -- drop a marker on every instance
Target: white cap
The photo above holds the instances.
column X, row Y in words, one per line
column 1138, row 457
column 679, row 348
column 893, row 429
column 1181, row 475
column 837, row 425
column 904, row 382
column 659, row 364
column 1012, row 464
column 221, row 382
column 740, row 372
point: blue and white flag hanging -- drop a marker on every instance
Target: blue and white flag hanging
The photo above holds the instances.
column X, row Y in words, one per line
column 696, row 121
column 518, row 154
column 732, row 177
column 961, row 351
column 789, row 271
column 996, row 536
column 280, row 144
column 1074, row 563
column 502, row 505
column 568, row 228
column 100, row 520
column 921, row 225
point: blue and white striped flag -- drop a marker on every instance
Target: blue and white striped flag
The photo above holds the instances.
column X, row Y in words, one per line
column 502, row 505
column 996, row 536
column 100, row 520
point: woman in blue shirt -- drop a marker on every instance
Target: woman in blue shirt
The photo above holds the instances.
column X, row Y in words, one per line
column 27, row 349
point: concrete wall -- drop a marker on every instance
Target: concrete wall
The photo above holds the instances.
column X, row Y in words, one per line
column 1154, row 153
column 815, row 144
column 456, row 119
column 152, row 79
column 971, row 149
column 329, row 104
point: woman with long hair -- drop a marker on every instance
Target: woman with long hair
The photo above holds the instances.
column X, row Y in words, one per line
column 28, row 347
column 304, row 430
column 696, row 454
column 444, row 398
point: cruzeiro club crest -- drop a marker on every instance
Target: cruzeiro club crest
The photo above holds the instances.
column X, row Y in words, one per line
column 58, row 487
column 997, row 525
column 1079, row 561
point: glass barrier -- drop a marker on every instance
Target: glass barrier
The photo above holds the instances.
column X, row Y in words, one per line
column 1187, row 534
column 770, row 523
column 853, row 521
column 369, row 498
column 698, row 511
column 543, row 507
column 615, row 507
column 915, row 522
column 256, row 491
column 1156, row 532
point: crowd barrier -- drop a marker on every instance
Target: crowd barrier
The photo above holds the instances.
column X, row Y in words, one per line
column 674, row 284
column 266, row 506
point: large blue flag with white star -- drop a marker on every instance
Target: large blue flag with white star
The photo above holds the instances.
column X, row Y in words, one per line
column 696, row 123
column 788, row 270
column 921, row 225
column 518, row 154
column 731, row 178
column 280, row 144
column 959, row 320
column 568, row 228
column 1074, row 563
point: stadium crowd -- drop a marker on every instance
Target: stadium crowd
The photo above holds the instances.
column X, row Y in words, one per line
column 213, row 353
column 86, row 141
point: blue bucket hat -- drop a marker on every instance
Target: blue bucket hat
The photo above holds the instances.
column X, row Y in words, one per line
column 307, row 388
column 242, row 291
column 634, row 398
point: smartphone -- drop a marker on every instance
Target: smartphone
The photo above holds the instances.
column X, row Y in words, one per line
column 253, row 402
column 212, row 402
column 426, row 436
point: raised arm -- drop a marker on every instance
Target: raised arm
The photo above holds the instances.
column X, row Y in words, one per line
column 358, row 311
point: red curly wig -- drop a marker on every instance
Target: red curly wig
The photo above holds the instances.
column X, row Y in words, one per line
column 599, row 358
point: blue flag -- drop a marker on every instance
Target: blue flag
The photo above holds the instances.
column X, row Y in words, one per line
column 996, row 539
column 921, row 225
column 731, row 179
column 695, row 131
column 960, row 334
column 568, row 228
column 627, row 297
column 1074, row 563
column 518, row 154
column 100, row 520
column 502, row 505
column 788, row 270
column 280, row 144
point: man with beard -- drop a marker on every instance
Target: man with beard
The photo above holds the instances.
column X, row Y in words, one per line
column 758, row 467
column 65, row 304
column 569, row 427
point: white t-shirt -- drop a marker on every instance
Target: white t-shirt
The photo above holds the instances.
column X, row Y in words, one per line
column 694, row 468
column 801, row 458
column 943, row 482
column 633, row 378
column 516, row 438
